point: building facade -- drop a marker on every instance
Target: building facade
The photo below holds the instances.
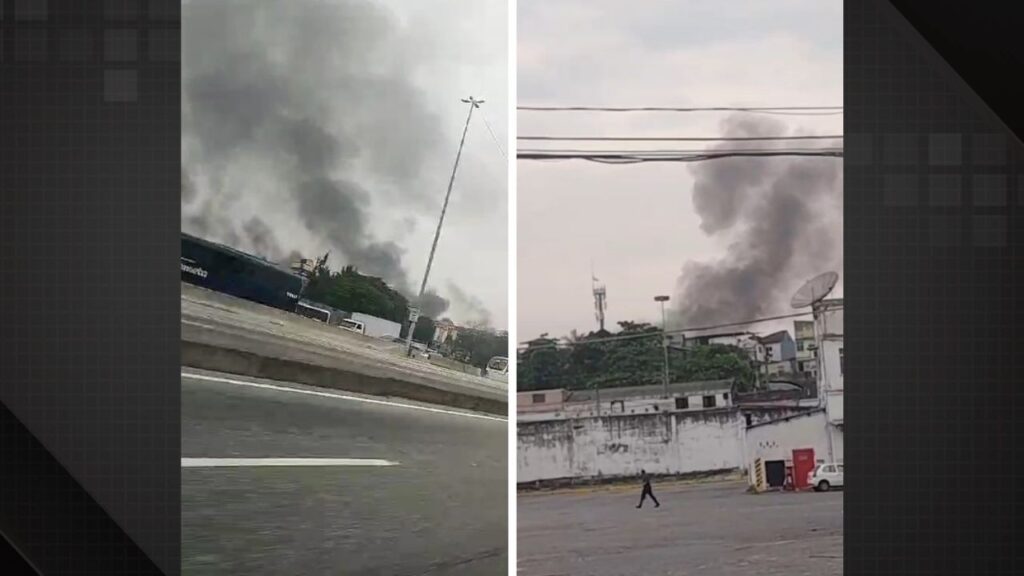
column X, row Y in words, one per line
column 806, row 357
column 831, row 369
column 779, row 352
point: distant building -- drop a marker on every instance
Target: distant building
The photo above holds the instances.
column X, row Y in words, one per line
column 831, row 370
column 745, row 341
column 443, row 331
column 774, row 442
column 304, row 267
column 780, row 353
column 541, row 401
column 682, row 396
column 806, row 356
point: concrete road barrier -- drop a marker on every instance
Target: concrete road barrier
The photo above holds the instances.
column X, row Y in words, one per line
column 218, row 358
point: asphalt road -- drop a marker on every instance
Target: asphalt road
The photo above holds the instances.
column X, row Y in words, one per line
column 707, row 530
column 442, row 509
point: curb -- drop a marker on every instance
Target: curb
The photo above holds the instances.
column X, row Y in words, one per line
column 230, row 361
column 622, row 484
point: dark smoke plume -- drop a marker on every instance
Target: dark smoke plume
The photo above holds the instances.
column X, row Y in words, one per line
column 470, row 307
column 262, row 239
column 188, row 188
column 295, row 116
column 783, row 217
column 433, row 305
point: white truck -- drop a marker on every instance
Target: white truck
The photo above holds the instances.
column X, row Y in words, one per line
column 371, row 326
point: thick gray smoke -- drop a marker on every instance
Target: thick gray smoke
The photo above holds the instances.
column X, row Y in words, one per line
column 300, row 119
column 783, row 216
column 322, row 90
column 262, row 238
column 470, row 307
column 433, row 305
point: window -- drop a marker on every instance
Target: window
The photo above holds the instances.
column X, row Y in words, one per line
column 682, row 403
column 725, row 395
column 800, row 345
column 750, row 420
column 538, row 398
column 618, row 407
column 709, row 401
column 840, row 361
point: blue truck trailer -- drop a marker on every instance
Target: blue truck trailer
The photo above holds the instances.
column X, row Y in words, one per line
column 223, row 269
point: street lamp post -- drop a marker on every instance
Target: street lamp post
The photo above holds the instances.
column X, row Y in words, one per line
column 664, row 337
column 473, row 104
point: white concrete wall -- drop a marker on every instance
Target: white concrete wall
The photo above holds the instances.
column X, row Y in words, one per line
column 622, row 445
column 640, row 405
column 758, row 416
column 837, row 444
column 834, row 405
column 833, row 376
column 831, row 320
column 778, row 440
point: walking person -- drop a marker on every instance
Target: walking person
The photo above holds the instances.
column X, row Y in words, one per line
column 647, row 490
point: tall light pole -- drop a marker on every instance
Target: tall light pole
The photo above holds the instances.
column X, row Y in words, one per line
column 664, row 337
column 414, row 314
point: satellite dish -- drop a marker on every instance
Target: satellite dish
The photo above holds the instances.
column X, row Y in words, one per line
column 814, row 290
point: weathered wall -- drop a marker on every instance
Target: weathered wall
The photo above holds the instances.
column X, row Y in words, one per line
column 837, row 444
column 765, row 414
column 622, row 445
column 777, row 440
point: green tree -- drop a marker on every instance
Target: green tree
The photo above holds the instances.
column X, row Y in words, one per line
column 541, row 365
column 424, row 331
column 351, row 291
column 636, row 360
column 477, row 347
column 713, row 362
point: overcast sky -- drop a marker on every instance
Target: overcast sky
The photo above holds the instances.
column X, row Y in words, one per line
column 638, row 224
column 315, row 125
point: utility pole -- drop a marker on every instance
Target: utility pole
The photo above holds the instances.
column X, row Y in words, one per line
column 414, row 314
column 664, row 337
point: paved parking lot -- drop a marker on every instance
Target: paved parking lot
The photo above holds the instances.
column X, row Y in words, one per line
column 711, row 530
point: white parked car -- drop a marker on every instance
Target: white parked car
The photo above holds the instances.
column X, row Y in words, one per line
column 824, row 477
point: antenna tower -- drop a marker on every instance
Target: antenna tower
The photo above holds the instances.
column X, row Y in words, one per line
column 600, row 301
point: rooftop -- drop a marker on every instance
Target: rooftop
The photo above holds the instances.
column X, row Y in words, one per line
column 236, row 252
column 654, row 390
column 775, row 337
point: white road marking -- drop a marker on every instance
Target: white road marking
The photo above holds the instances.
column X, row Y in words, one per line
column 336, row 396
column 242, row 462
column 200, row 324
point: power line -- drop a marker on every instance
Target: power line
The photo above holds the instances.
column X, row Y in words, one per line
column 671, row 151
column 493, row 137
column 683, row 138
column 792, row 110
column 640, row 158
column 681, row 331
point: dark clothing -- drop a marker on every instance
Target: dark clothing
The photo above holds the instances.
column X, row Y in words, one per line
column 647, row 492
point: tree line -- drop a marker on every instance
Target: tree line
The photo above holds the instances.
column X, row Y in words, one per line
column 638, row 361
column 351, row 291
